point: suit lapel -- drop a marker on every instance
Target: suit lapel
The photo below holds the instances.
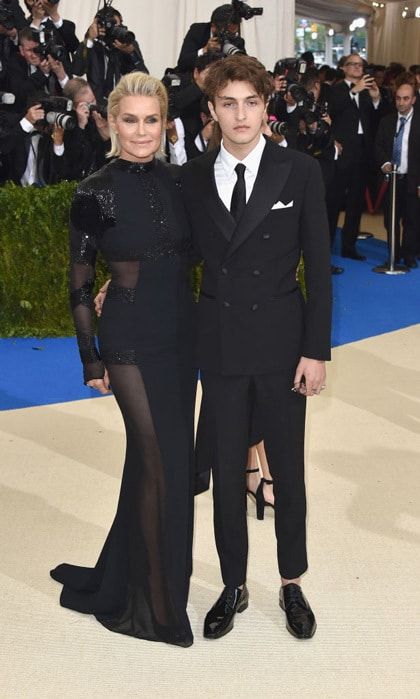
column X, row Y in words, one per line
column 272, row 176
column 215, row 208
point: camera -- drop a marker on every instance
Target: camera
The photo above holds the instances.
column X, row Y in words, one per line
column 243, row 11
column 291, row 68
column 228, row 42
column 58, row 112
column 311, row 112
column 101, row 108
column 174, row 83
column 279, row 128
column 48, row 46
column 105, row 19
column 7, row 18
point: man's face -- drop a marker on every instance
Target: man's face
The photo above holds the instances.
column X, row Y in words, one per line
column 353, row 68
column 404, row 99
column 26, row 49
column 86, row 95
column 239, row 111
column 379, row 77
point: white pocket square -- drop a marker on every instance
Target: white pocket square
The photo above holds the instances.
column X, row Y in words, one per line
column 280, row 205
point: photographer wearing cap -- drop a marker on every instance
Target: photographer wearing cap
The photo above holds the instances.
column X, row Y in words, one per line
column 34, row 69
column 207, row 37
column 44, row 15
column 108, row 52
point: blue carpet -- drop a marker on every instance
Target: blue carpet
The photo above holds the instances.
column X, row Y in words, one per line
column 40, row 372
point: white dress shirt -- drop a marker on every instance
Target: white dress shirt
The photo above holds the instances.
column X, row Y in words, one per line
column 402, row 169
column 226, row 177
column 177, row 154
column 30, row 174
column 355, row 96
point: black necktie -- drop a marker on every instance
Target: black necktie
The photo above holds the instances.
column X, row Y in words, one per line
column 238, row 201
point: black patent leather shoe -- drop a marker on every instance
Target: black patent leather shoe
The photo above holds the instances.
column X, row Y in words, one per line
column 300, row 617
column 219, row 620
column 353, row 255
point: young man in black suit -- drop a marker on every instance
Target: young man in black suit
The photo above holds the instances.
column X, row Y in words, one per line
column 398, row 142
column 202, row 38
column 352, row 106
column 254, row 209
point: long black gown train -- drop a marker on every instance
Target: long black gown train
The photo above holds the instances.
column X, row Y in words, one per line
column 132, row 213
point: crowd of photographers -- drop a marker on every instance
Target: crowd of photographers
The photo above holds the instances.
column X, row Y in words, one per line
column 54, row 89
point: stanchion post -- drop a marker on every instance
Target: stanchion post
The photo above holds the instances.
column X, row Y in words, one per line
column 390, row 267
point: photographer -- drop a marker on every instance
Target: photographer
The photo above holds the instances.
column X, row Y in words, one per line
column 352, row 107
column 207, row 37
column 35, row 149
column 44, row 15
column 108, row 52
column 315, row 139
column 11, row 20
column 34, row 69
column 87, row 144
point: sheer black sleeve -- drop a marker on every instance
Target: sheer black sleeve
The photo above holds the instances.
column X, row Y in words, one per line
column 85, row 217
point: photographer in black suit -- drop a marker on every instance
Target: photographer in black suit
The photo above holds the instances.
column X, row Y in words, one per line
column 87, row 144
column 254, row 208
column 352, row 107
column 11, row 20
column 44, row 16
column 29, row 72
column 204, row 37
column 103, row 58
column 398, row 142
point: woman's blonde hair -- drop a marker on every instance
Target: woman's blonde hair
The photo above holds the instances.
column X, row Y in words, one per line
column 134, row 84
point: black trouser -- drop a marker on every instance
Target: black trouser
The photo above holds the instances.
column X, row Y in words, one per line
column 350, row 183
column 230, row 403
column 407, row 211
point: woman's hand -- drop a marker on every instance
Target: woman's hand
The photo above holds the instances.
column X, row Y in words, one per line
column 101, row 385
column 310, row 377
column 100, row 298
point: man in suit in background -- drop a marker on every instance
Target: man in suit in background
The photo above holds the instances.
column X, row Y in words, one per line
column 254, row 208
column 352, row 107
column 202, row 37
column 398, row 142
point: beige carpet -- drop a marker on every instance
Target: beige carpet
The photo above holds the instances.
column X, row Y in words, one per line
column 59, row 482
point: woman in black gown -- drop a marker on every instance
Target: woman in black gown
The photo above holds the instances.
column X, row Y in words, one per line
column 131, row 211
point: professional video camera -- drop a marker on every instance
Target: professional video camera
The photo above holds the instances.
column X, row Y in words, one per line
column 243, row 11
column 58, row 112
column 48, row 45
column 7, row 18
column 105, row 19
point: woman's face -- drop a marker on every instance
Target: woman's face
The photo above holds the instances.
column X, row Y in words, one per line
column 139, row 126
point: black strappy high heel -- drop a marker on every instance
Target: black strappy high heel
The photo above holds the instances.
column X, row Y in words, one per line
column 260, row 501
column 251, row 492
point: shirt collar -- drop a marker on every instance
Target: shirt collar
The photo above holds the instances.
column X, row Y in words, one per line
column 251, row 162
column 408, row 116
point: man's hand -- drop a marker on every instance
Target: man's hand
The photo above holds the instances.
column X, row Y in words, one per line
column 35, row 113
column 212, row 46
column 366, row 82
column 100, row 298
column 56, row 67
column 339, row 147
column 310, row 377
column 207, row 130
column 93, row 32
column 386, row 168
column 280, row 83
column 289, row 99
column 101, row 385
column 51, row 10
column 37, row 11
column 82, row 111
column 102, row 126
column 58, row 135
column 124, row 48
column 44, row 65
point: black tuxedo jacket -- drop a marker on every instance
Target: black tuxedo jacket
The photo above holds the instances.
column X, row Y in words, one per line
column 195, row 39
column 51, row 168
column 92, row 63
column 252, row 318
column 345, row 117
column 384, row 146
column 25, row 85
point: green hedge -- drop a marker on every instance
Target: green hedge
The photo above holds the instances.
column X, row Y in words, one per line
column 34, row 261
